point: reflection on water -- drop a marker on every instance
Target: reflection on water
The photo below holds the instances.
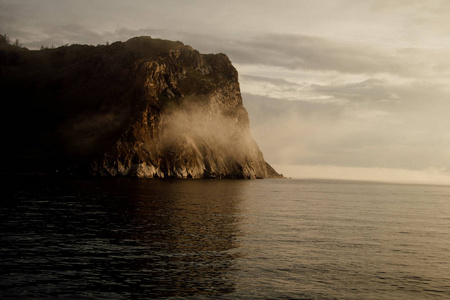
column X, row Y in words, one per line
column 119, row 238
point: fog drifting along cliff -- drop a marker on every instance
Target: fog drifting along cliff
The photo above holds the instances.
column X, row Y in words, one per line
column 146, row 108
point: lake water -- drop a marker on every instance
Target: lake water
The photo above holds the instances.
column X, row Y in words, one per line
column 119, row 238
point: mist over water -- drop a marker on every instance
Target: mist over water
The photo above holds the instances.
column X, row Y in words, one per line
column 197, row 123
column 307, row 140
column 120, row 238
column 426, row 176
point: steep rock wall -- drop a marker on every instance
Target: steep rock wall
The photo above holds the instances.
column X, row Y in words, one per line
column 146, row 108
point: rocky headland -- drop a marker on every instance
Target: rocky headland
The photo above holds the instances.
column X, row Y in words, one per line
column 145, row 107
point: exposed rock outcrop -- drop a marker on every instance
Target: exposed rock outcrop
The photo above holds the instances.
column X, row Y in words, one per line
column 145, row 107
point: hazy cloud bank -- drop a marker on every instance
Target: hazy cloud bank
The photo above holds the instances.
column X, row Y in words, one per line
column 426, row 176
column 308, row 133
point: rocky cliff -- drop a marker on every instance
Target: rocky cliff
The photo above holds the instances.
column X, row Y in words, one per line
column 145, row 107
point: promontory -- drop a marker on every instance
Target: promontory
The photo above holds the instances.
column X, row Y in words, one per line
column 145, row 107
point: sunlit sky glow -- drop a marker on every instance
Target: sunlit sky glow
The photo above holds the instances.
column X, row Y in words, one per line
column 334, row 89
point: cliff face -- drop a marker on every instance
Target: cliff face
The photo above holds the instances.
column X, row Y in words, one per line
column 146, row 108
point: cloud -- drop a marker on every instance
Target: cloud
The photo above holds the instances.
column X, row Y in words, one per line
column 370, row 93
column 7, row 12
column 287, row 130
column 371, row 89
column 425, row 176
column 366, row 134
column 434, row 6
column 301, row 52
column 283, row 89
column 274, row 81
column 290, row 51
column 318, row 54
column 298, row 52
column 65, row 34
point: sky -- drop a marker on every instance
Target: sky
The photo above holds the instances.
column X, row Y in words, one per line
column 342, row 89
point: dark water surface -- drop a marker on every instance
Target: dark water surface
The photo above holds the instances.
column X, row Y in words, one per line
column 122, row 238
